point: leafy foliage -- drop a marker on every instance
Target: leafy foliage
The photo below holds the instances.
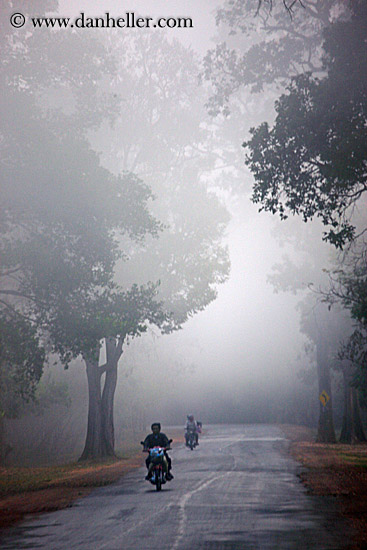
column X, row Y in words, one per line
column 60, row 252
column 62, row 213
column 79, row 325
column 313, row 161
column 21, row 362
column 164, row 135
column 266, row 45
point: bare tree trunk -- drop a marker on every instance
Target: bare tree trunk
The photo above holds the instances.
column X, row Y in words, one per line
column 325, row 431
column 113, row 353
column 100, row 439
column 352, row 428
column 108, row 429
column 95, row 444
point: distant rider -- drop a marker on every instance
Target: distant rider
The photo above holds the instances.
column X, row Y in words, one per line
column 191, row 426
column 158, row 439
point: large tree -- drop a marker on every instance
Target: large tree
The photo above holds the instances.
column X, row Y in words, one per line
column 62, row 214
column 107, row 318
column 89, row 218
column 312, row 162
column 160, row 134
column 58, row 263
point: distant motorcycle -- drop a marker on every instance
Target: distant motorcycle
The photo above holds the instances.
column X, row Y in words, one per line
column 158, row 471
column 191, row 440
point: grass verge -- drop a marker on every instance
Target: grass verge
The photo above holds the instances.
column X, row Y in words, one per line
column 25, row 491
column 28, row 491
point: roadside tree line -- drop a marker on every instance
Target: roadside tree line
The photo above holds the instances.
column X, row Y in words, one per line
column 91, row 254
column 310, row 162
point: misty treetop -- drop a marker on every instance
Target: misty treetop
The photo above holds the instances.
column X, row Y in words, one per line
column 163, row 134
column 313, row 160
column 265, row 44
column 62, row 214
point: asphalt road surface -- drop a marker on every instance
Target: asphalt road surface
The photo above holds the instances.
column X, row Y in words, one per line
column 237, row 490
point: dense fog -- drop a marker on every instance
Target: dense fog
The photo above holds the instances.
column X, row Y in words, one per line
column 246, row 298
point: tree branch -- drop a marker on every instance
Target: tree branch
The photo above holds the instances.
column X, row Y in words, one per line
column 10, row 272
column 103, row 368
column 17, row 312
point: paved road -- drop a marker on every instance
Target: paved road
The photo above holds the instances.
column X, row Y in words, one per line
column 237, row 490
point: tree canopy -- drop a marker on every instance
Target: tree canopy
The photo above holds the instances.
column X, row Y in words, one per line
column 61, row 214
column 163, row 134
column 312, row 162
column 265, row 44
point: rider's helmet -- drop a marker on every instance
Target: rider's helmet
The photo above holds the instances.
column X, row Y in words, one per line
column 190, row 417
column 158, row 424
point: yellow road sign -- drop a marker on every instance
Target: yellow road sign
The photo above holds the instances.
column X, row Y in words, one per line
column 324, row 397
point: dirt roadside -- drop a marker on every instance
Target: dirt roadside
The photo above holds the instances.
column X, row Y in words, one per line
column 59, row 492
column 30, row 491
column 335, row 470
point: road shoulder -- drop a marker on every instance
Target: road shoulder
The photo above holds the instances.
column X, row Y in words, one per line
column 335, row 470
column 31, row 491
column 56, row 491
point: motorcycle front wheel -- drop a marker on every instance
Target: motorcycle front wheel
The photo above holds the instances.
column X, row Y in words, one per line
column 158, row 480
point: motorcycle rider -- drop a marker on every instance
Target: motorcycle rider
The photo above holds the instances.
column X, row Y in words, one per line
column 157, row 439
column 191, row 426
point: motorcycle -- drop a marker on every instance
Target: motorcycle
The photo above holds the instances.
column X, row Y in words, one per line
column 191, row 440
column 158, row 470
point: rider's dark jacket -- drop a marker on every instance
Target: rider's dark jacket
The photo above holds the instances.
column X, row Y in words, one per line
column 152, row 440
